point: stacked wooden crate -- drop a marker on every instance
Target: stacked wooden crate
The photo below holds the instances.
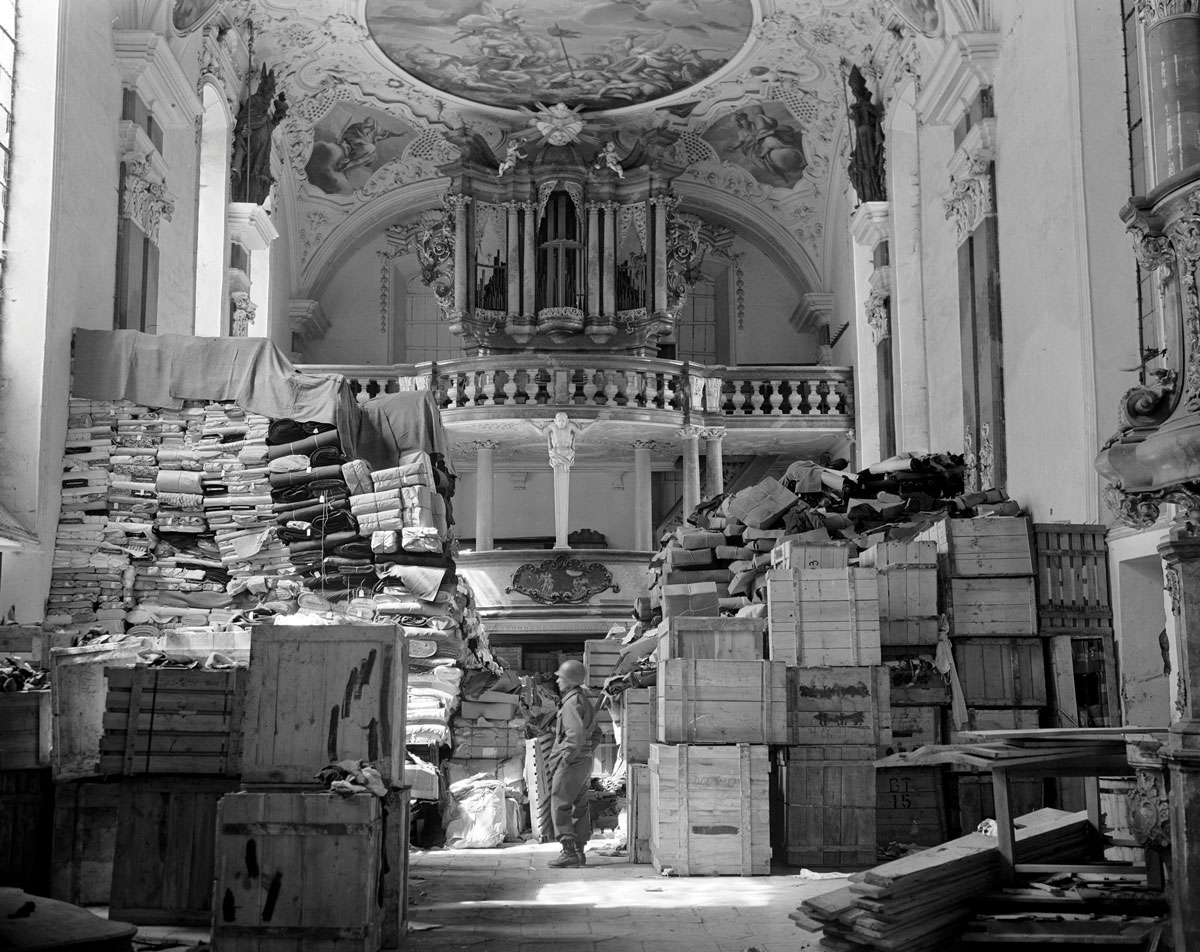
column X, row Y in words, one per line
column 315, row 696
column 718, row 705
column 988, row 592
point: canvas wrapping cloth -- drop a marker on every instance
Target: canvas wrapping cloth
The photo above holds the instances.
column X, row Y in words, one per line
column 376, row 502
column 357, row 474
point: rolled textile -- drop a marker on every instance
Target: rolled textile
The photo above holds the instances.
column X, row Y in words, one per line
column 358, row 549
column 294, row 431
column 303, row 477
column 294, row 494
column 415, row 558
column 181, row 500
column 385, row 541
column 357, row 474
column 422, row 581
column 307, row 510
column 420, row 539
column 179, row 481
column 376, row 502
column 336, row 520
column 289, row 464
column 303, row 447
column 325, row 544
column 295, row 532
column 329, row 488
column 381, row 521
column 326, row 456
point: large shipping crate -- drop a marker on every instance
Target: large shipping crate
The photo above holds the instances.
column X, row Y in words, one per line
column 84, row 841
column 917, row 683
column 163, row 860
column 711, row 639
column 173, row 720
column 988, row 546
column 25, row 730
column 974, row 799
column 77, row 701
column 321, row 694
column 637, row 724
column 829, row 805
column 823, row 617
column 397, row 824
column 914, row 727
column 980, row 607
column 1072, row 574
column 721, row 702
column 709, row 809
column 26, row 825
column 299, row 871
column 791, row 554
column 830, row 706
column 486, row 741
column 910, row 806
column 638, row 815
column 1001, row 672
column 599, row 658
column 908, row 592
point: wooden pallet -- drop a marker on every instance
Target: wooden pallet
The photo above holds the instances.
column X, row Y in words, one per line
column 1072, row 578
column 709, row 810
column 823, row 617
column 830, row 706
column 721, row 702
column 321, row 694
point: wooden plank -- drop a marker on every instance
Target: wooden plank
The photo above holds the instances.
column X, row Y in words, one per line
column 640, row 815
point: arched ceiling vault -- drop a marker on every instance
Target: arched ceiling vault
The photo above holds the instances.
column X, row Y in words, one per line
column 746, row 97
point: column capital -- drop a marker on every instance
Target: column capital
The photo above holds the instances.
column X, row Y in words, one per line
column 714, row 432
column 478, row 445
column 1152, row 12
column 691, row 432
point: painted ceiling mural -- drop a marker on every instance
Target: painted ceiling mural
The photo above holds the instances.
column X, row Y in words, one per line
column 756, row 109
column 602, row 55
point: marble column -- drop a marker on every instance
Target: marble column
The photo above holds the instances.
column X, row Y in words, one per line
column 608, row 306
column 659, row 207
column 461, row 241
column 690, row 435
column 714, row 461
column 513, row 262
column 1182, row 558
column 485, row 452
column 529, row 305
column 593, row 259
column 643, row 522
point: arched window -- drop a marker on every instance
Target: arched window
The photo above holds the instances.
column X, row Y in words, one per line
column 212, row 248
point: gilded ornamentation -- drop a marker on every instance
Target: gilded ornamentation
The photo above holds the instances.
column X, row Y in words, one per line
column 435, row 252
column 1181, row 695
column 684, row 255
column 1172, row 587
column 970, row 200
column 1149, row 810
column 562, row 580
column 144, row 198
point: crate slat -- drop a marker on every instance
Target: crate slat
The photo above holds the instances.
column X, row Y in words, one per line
column 1073, row 583
column 599, row 658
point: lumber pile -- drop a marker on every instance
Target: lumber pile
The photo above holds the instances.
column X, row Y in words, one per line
column 923, row 901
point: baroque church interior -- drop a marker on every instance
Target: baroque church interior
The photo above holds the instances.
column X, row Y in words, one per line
column 639, row 255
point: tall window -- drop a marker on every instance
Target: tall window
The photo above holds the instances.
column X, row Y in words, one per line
column 211, row 246
column 8, row 58
column 697, row 329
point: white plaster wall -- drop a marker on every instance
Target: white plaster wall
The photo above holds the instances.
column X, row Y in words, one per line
column 177, row 238
column 771, row 299
column 350, row 300
column 1046, row 280
column 530, row 511
column 279, row 326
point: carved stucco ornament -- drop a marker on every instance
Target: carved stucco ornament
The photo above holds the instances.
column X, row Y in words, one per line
column 878, row 316
column 145, row 199
column 970, row 199
column 1150, row 12
column 1172, row 587
column 1141, row 510
column 1185, row 237
column 562, row 580
column 1149, row 810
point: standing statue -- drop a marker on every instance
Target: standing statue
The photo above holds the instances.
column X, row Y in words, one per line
column 250, row 174
column 511, row 157
column 866, row 159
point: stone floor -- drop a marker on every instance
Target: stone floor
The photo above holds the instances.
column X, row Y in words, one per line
column 507, row 900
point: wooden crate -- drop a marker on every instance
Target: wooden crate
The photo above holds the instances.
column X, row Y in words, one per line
column 829, row 806
column 637, row 724
column 709, row 810
column 1083, row 680
column 173, row 720
column 721, row 702
column 908, row 592
column 823, row 617
column 26, row 643
column 982, row 607
column 537, row 787
column 638, row 817
column 1001, row 672
column 396, row 817
column 321, row 694
column 838, row 706
column 711, row 639
column 298, row 870
column 1072, row 578
column 910, row 806
column 974, row 799
column 599, row 658
column 810, row 555
column 26, row 826
column 988, row 546
column 914, row 727
column 917, row 683
column 77, row 701
column 25, row 730
column 84, row 841
column 163, row 860
column 510, row 656
column 1115, row 814
column 486, row 741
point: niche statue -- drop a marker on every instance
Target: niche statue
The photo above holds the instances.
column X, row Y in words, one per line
column 866, row 159
column 250, row 171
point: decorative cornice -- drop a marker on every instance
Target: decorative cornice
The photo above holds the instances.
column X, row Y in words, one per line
column 250, row 226
column 145, row 63
column 967, row 66
column 307, row 319
column 1151, row 12
column 871, row 223
column 970, row 199
column 978, row 146
column 815, row 310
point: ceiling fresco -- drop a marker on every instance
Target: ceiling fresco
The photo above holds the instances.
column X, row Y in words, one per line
column 604, row 55
column 754, row 114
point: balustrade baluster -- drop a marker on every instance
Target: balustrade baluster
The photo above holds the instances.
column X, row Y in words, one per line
column 469, row 388
column 795, row 397
column 756, row 397
column 776, row 397
column 738, row 397
column 814, row 396
column 510, row 387
column 589, row 387
column 488, row 380
column 610, row 388
column 533, row 387
column 831, row 398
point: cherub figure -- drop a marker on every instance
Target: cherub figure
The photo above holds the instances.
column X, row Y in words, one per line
column 608, row 157
column 511, row 157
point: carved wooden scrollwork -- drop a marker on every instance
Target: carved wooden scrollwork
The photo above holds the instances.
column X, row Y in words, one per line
column 1149, row 810
column 562, row 580
column 1142, row 510
column 1185, row 237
